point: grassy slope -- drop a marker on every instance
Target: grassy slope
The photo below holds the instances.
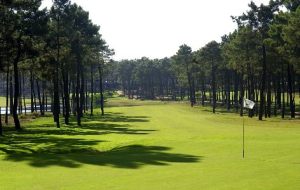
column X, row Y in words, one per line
column 154, row 146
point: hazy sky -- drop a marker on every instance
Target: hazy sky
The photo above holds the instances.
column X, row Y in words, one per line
column 156, row 28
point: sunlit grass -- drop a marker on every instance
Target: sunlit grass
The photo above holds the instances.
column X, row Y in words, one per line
column 152, row 145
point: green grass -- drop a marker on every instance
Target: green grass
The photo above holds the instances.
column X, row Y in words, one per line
column 3, row 101
column 147, row 145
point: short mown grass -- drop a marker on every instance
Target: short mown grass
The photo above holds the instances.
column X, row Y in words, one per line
column 152, row 145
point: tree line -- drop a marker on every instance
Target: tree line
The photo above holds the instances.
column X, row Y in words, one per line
column 54, row 56
column 260, row 60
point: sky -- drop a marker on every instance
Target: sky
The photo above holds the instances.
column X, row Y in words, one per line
column 156, row 28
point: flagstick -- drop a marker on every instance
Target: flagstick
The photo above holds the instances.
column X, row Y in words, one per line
column 249, row 105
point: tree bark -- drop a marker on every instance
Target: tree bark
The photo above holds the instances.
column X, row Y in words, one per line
column 82, row 99
column 263, row 84
column 11, row 93
column 283, row 93
column 92, row 89
column 66, row 97
column 56, row 105
column 43, row 99
column 24, row 94
column 39, row 96
column 236, row 92
column 32, row 92
column 16, row 86
column 213, row 81
column 21, row 93
column 7, row 95
column 190, row 81
column 291, row 90
column 269, row 97
column 228, row 90
column 77, row 99
column 203, row 98
column 101, row 89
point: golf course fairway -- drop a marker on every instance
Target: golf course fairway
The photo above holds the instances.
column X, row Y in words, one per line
column 151, row 145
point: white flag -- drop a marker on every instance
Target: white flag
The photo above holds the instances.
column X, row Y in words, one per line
column 248, row 104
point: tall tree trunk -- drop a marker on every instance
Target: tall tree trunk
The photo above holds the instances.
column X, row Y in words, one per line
column 16, row 87
column 39, row 95
column 193, row 91
column 78, row 111
column 74, row 98
column 291, row 90
column 190, row 82
column 236, row 91
column 32, row 91
column 52, row 102
column 7, row 95
column 128, row 89
column 174, row 89
column 228, row 90
column 56, row 103
column 269, row 96
column 46, row 101
column 101, row 88
column 86, row 97
column 277, row 90
column 62, row 104
column 34, row 97
column 21, row 92
column 92, row 89
column 203, row 98
column 43, row 99
column 11, row 93
column 263, row 84
column 66, row 96
column 213, row 81
column 82, row 99
column 24, row 94
column 283, row 92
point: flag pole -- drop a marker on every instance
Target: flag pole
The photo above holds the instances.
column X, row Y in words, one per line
column 249, row 105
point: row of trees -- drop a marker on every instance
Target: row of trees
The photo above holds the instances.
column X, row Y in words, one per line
column 260, row 61
column 59, row 52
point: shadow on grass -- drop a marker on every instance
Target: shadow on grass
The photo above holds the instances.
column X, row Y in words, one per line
column 219, row 110
column 105, row 128
column 84, row 129
column 73, row 153
column 95, row 125
column 43, row 145
column 116, row 117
